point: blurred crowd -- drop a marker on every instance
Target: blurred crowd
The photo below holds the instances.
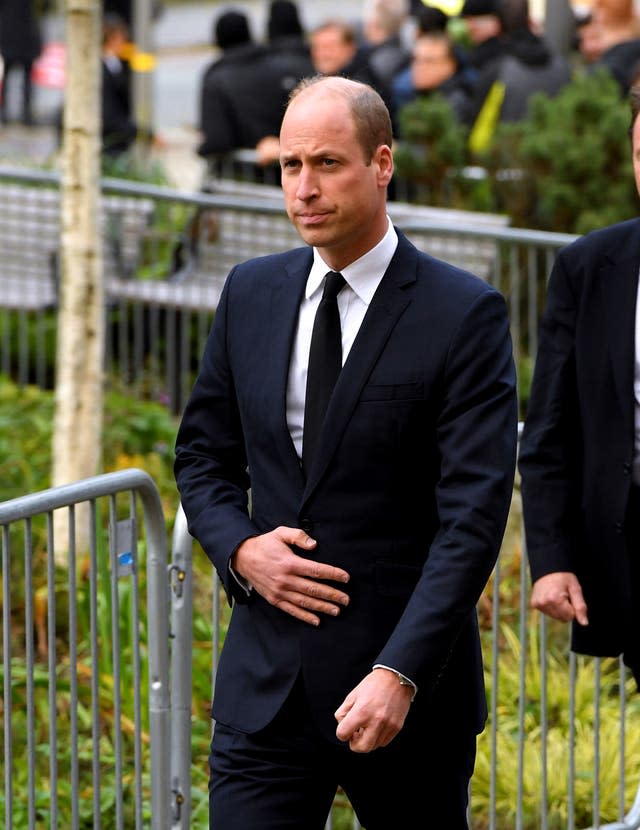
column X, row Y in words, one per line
column 486, row 60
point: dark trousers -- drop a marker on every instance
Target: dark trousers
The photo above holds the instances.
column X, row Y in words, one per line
column 285, row 777
column 10, row 67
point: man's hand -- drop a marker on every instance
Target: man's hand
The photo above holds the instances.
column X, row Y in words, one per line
column 268, row 150
column 292, row 583
column 374, row 712
column 560, row 596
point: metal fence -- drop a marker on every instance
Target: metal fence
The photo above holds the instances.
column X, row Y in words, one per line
column 168, row 253
column 79, row 624
column 91, row 739
column 562, row 745
column 561, row 750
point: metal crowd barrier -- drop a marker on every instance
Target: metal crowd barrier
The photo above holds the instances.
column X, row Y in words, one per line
column 160, row 303
column 85, row 641
column 544, row 731
column 89, row 735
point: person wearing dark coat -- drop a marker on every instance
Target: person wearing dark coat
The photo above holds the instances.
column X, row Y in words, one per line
column 287, row 45
column 336, row 50
column 20, row 45
column 436, row 70
column 580, row 451
column 483, row 22
column 383, row 31
column 505, row 84
column 623, row 62
column 119, row 129
column 242, row 96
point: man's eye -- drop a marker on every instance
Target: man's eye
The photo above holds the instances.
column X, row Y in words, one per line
column 329, row 162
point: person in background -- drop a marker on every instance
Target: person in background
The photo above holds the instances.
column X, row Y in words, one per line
column 119, row 129
column 287, row 43
column 378, row 499
column 336, row 50
column 290, row 55
column 589, row 40
column 619, row 32
column 580, row 450
column 504, row 86
column 485, row 31
column 436, row 69
column 383, row 27
column 427, row 19
column 20, row 45
column 242, row 94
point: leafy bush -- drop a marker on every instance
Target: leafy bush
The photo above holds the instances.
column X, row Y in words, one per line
column 566, row 167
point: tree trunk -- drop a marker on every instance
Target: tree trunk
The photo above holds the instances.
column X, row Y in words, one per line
column 77, row 444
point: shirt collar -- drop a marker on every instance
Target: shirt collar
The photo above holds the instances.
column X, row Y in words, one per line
column 363, row 276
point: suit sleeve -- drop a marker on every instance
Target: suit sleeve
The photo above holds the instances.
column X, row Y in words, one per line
column 210, row 458
column 476, row 438
column 549, row 457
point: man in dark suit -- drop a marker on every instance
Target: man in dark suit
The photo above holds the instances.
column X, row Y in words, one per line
column 355, row 572
column 119, row 129
column 579, row 457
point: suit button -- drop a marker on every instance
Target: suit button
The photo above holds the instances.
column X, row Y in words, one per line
column 307, row 526
column 627, row 468
column 618, row 527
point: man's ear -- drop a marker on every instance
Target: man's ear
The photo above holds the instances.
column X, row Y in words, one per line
column 383, row 158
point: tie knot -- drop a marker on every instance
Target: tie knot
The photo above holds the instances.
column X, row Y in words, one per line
column 333, row 284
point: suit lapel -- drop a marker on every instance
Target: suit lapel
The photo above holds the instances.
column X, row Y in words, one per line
column 282, row 316
column 387, row 305
column 619, row 286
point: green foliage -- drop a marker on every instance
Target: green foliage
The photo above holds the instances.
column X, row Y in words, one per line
column 574, row 154
column 432, row 151
column 136, row 434
column 142, row 434
column 566, row 167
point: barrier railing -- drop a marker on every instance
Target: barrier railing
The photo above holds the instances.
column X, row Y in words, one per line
column 548, row 758
column 561, row 748
column 170, row 251
column 79, row 745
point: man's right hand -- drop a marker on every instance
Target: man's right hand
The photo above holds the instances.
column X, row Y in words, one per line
column 560, row 596
column 292, row 583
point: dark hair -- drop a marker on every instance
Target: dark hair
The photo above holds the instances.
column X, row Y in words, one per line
column 231, row 29
column 431, row 19
column 112, row 23
column 283, row 19
column 368, row 110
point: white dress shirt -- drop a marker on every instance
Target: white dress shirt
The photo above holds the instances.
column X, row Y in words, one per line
column 362, row 277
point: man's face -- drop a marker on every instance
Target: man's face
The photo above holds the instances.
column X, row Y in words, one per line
column 336, row 200
column 330, row 52
column 431, row 64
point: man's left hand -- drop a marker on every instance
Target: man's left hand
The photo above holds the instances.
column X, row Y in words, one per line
column 374, row 712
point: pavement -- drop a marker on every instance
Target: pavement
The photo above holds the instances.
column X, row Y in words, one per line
column 181, row 37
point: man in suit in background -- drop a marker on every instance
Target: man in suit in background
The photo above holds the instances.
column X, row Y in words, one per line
column 355, row 573
column 580, row 452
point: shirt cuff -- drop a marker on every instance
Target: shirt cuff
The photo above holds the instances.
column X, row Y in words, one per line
column 404, row 680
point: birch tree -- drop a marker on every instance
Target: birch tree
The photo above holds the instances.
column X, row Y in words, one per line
column 77, row 445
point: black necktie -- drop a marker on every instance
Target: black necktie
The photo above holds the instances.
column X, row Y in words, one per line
column 325, row 362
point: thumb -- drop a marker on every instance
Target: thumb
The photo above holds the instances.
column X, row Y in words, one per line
column 576, row 598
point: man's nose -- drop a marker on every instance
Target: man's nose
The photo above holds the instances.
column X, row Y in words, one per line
column 307, row 185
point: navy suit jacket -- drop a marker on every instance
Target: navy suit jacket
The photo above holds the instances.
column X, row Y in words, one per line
column 577, row 446
column 409, row 492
